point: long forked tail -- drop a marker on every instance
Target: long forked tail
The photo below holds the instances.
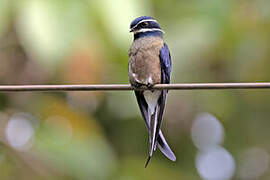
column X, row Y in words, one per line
column 164, row 148
column 161, row 142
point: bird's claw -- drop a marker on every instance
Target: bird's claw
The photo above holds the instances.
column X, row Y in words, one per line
column 137, row 85
column 150, row 86
column 143, row 86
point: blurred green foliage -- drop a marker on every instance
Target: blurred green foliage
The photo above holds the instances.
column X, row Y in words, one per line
column 98, row 135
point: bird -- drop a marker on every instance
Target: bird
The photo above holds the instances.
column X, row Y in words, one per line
column 150, row 64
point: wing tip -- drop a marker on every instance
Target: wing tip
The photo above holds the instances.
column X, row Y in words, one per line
column 169, row 154
column 165, row 148
column 173, row 158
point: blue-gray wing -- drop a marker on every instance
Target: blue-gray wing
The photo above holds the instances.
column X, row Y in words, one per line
column 166, row 68
column 166, row 64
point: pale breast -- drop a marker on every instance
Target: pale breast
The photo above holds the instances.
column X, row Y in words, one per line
column 144, row 62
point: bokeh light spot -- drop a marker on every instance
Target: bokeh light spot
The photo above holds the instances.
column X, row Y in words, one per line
column 215, row 164
column 19, row 132
column 206, row 131
column 253, row 163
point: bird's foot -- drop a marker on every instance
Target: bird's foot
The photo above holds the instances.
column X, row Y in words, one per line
column 141, row 86
column 150, row 87
column 137, row 85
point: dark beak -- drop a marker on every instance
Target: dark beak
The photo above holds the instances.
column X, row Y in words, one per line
column 131, row 30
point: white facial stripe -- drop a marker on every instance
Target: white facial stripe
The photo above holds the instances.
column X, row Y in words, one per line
column 144, row 20
column 147, row 30
column 147, row 20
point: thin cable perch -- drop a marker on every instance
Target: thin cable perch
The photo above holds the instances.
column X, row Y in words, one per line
column 127, row 87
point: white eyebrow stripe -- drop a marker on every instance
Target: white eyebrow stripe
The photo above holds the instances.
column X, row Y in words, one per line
column 144, row 20
column 147, row 30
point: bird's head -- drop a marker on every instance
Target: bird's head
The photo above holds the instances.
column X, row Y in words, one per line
column 145, row 25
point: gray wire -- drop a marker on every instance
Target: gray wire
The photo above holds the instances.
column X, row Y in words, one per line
column 127, row 87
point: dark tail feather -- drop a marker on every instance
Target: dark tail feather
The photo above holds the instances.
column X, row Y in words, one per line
column 161, row 142
column 164, row 147
column 152, row 135
column 147, row 161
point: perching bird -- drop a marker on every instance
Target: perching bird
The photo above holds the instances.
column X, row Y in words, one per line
column 150, row 64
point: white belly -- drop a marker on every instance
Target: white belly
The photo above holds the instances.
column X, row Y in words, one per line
column 151, row 99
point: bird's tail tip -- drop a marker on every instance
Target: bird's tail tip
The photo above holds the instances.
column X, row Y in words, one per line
column 167, row 152
column 173, row 158
column 165, row 148
column 147, row 161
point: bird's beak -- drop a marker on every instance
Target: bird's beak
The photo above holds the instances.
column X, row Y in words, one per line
column 131, row 30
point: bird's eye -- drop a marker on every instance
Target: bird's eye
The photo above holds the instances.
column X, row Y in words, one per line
column 144, row 24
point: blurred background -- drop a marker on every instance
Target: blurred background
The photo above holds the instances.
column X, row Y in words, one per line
column 216, row 135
